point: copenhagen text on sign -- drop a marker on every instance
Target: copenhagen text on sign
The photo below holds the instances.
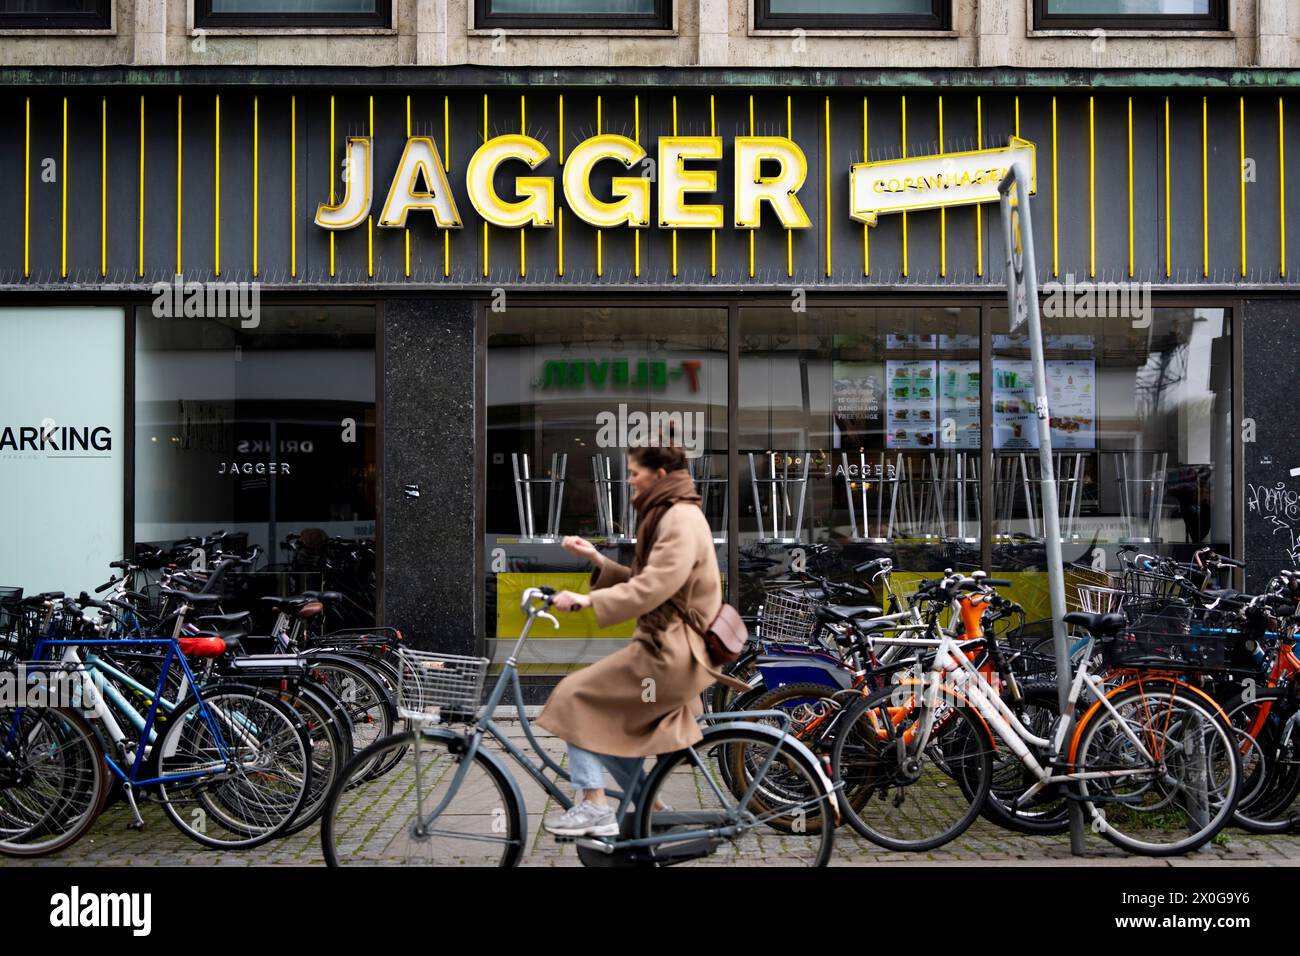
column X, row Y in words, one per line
column 420, row 185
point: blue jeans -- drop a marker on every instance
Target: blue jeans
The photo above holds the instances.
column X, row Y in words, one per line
column 587, row 769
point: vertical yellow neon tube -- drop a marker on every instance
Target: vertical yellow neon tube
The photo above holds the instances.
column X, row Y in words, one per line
column 1281, row 190
column 103, row 187
column 789, row 233
column 713, row 233
column 826, row 174
column 600, row 233
column 561, row 129
column 27, row 184
column 63, row 182
column 979, row 210
column 751, row 133
column 866, row 230
column 636, row 138
column 674, row 231
column 1130, row 187
column 141, row 193
column 904, row 138
column 293, row 186
column 333, row 176
column 1241, row 107
column 1205, row 186
column 407, row 231
column 216, row 190
column 1056, row 260
column 559, row 254
column 257, row 175
column 446, row 161
column 370, row 220
column 179, row 171
column 1169, row 230
column 1092, row 187
column 943, row 213
column 523, row 130
column 485, row 225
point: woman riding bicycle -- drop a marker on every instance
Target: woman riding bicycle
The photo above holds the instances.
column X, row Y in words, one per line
column 644, row 699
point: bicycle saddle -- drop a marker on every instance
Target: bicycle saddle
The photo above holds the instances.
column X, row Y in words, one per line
column 239, row 621
column 192, row 597
column 325, row 597
column 299, row 606
column 843, row 613
column 1098, row 625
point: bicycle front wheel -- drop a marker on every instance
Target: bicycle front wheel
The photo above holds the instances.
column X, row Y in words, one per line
column 431, row 809
column 1163, row 769
column 707, row 822
column 905, row 797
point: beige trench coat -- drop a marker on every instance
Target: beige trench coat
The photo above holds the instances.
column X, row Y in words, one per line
column 642, row 700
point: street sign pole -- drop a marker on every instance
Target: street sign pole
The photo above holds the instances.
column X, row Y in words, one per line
column 1022, row 299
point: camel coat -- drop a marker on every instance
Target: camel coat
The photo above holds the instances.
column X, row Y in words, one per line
column 642, row 700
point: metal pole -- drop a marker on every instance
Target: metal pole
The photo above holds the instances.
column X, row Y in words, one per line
column 1022, row 271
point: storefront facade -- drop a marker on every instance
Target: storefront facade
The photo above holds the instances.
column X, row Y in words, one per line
column 432, row 316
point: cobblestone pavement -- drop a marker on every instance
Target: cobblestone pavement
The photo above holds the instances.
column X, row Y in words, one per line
column 110, row 842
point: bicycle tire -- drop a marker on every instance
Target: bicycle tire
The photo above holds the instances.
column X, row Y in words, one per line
column 1049, row 813
column 350, row 837
column 680, row 780
column 1099, row 743
column 224, row 798
column 49, row 822
column 331, row 747
column 863, row 758
column 1268, row 791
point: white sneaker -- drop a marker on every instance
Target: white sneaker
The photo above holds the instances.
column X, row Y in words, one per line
column 584, row 819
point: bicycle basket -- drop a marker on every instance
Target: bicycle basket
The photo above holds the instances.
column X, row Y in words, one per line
column 1095, row 599
column 1150, row 585
column 787, row 615
column 1162, row 639
column 439, row 688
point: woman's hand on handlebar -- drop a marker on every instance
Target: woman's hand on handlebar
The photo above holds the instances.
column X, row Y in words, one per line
column 580, row 548
column 569, row 601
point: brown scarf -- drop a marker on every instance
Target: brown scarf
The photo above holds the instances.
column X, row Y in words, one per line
column 650, row 507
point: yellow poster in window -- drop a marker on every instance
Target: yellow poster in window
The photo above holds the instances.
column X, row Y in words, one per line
column 510, row 619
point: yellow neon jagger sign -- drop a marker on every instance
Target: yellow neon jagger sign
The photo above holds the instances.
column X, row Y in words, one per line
column 683, row 169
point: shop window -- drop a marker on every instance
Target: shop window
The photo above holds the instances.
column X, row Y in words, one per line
column 62, row 446
column 1131, row 14
column 1142, row 439
column 859, row 431
column 292, row 13
column 56, row 14
column 569, row 390
column 574, row 14
column 268, row 435
column 853, row 14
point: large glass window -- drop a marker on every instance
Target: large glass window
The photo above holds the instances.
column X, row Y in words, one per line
column 853, row 14
column 292, row 13
column 574, row 14
column 266, row 433
column 1131, row 14
column 569, row 390
column 56, row 14
column 62, row 444
column 859, row 429
column 1141, row 419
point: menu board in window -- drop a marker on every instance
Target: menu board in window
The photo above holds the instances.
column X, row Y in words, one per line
column 959, row 403
column 1072, row 401
column 858, row 397
column 911, row 404
column 1071, row 396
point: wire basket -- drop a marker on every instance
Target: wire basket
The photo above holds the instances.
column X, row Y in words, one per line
column 439, row 688
column 1097, row 599
column 1163, row 639
column 1150, row 585
column 787, row 615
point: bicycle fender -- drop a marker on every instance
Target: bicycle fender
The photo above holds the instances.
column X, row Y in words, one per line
column 442, row 733
column 1088, row 715
column 786, row 741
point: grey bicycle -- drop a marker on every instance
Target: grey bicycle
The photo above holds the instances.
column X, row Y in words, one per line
column 747, row 791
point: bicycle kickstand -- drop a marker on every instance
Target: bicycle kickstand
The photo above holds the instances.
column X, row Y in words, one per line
column 137, row 823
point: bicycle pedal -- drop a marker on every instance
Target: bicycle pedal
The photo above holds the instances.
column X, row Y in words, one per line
column 599, row 844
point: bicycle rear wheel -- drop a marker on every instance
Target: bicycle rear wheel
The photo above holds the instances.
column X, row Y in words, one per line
column 793, row 824
column 52, row 785
column 387, row 820
column 1177, row 794
column 914, row 799
column 1266, row 725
